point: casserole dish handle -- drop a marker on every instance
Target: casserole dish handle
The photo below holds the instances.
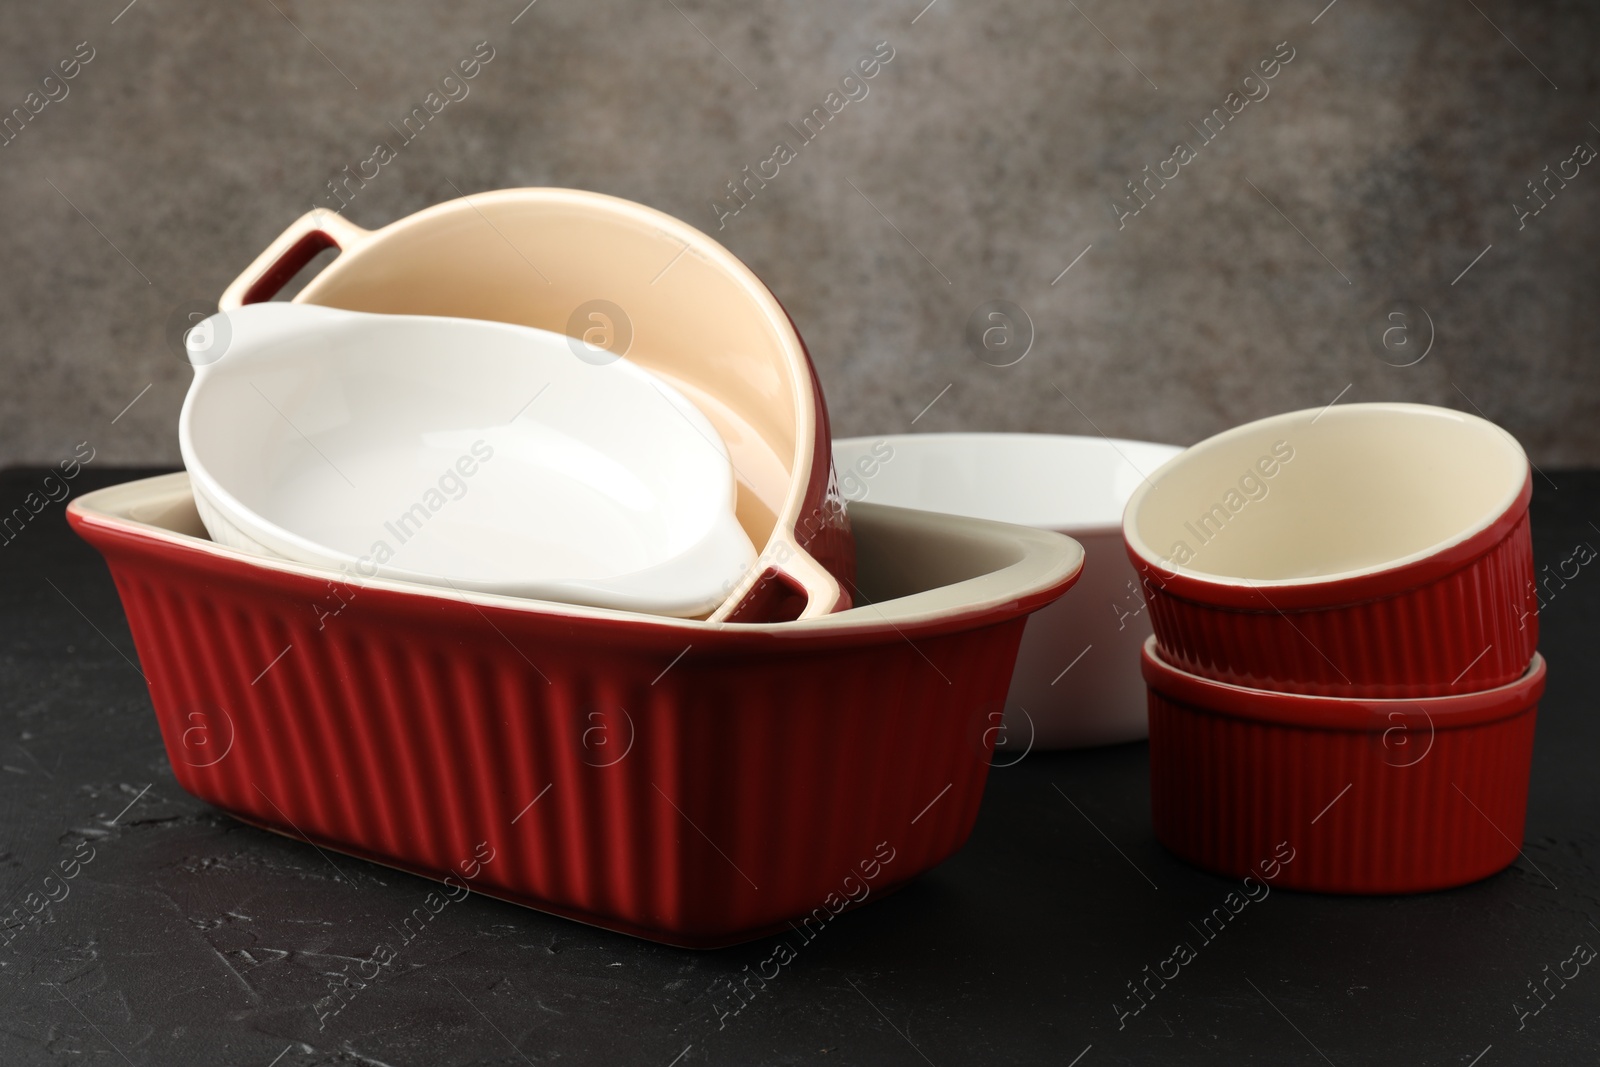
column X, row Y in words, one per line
column 793, row 585
column 294, row 248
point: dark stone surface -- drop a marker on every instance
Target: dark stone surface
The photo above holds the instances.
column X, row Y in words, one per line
column 189, row 938
column 983, row 161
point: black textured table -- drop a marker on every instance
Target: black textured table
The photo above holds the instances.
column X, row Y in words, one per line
column 180, row 936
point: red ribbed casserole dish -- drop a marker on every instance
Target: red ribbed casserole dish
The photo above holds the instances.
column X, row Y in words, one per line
column 689, row 782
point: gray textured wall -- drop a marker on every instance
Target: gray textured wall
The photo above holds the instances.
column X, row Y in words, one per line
column 984, row 159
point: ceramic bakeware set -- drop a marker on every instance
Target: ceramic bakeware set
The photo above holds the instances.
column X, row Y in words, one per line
column 696, row 781
column 1344, row 652
column 700, row 763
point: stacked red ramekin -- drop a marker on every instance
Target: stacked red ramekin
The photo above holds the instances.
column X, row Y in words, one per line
column 1344, row 654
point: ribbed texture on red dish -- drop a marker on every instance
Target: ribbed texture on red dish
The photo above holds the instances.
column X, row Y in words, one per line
column 1422, row 642
column 1226, row 791
column 408, row 730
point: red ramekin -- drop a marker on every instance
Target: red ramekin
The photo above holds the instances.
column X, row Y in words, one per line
column 1366, row 796
column 1369, row 550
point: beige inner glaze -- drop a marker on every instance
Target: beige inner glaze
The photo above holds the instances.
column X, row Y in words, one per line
column 1366, row 486
column 533, row 259
column 917, row 567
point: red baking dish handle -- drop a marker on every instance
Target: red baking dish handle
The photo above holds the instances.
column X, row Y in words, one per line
column 792, row 586
column 822, row 590
column 294, row 248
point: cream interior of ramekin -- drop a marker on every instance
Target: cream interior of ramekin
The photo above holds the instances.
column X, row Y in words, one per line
column 1321, row 494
